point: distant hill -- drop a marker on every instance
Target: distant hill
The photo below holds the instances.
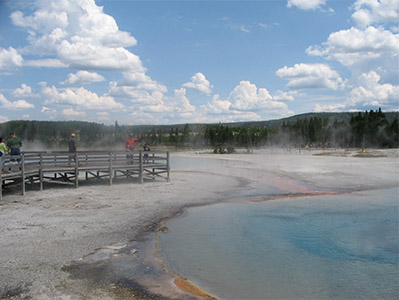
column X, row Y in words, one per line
column 332, row 116
column 66, row 126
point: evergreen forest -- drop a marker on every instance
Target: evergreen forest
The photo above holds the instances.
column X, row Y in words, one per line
column 314, row 130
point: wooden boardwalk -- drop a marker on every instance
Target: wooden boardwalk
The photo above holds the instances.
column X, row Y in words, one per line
column 70, row 168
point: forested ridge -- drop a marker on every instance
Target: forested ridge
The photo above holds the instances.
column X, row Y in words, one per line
column 360, row 129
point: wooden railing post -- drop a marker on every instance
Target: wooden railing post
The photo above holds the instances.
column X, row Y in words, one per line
column 167, row 166
column 76, row 170
column 110, row 168
column 141, row 171
column 22, row 166
column 41, row 171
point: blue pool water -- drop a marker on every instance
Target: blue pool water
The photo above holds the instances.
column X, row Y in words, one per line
column 322, row 247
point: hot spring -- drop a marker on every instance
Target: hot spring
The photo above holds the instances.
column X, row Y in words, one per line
column 321, row 247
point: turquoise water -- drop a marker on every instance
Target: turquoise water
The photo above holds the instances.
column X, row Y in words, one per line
column 322, row 247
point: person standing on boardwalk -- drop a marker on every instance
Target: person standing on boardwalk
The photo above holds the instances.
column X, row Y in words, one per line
column 3, row 149
column 72, row 148
column 146, row 148
column 14, row 145
column 129, row 147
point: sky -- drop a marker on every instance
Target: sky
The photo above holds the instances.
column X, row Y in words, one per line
column 176, row 62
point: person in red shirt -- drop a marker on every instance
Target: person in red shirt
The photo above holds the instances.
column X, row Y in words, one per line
column 129, row 147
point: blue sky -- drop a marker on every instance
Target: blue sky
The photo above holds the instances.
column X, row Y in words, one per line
column 168, row 62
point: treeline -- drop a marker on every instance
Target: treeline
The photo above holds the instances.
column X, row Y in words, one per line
column 368, row 129
column 362, row 129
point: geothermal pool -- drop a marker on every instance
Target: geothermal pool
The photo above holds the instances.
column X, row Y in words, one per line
column 321, row 247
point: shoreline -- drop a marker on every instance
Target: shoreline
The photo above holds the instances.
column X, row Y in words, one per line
column 102, row 223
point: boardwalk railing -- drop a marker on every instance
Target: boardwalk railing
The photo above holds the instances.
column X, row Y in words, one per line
column 69, row 168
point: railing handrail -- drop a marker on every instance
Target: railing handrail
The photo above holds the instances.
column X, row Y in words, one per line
column 34, row 164
column 89, row 156
column 90, row 151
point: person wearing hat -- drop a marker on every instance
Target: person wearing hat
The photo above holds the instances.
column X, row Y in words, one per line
column 72, row 147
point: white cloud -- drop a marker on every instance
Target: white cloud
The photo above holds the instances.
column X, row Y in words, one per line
column 103, row 116
column 79, row 34
column 306, row 4
column 218, row 106
column 200, row 83
column 268, row 26
column 165, row 109
column 368, row 91
column 140, row 81
column 42, row 20
column 243, row 28
column 51, row 113
column 45, row 63
column 285, row 96
column 83, row 19
column 371, row 55
column 316, row 76
column 152, row 103
column 24, row 92
column 145, row 118
column 71, row 113
column 46, row 110
column 79, row 55
column 245, row 102
column 94, row 24
column 220, row 111
column 140, row 90
column 83, row 77
column 336, row 107
column 79, row 98
column 247, row 97
column 353, row 46
column 16, row 105
column 234, row 26
column 136, row 96
column 176, row 107
column 3, row 119
column 10, row 58
column 371, row 92
column 180, row 103
column 368, row 12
